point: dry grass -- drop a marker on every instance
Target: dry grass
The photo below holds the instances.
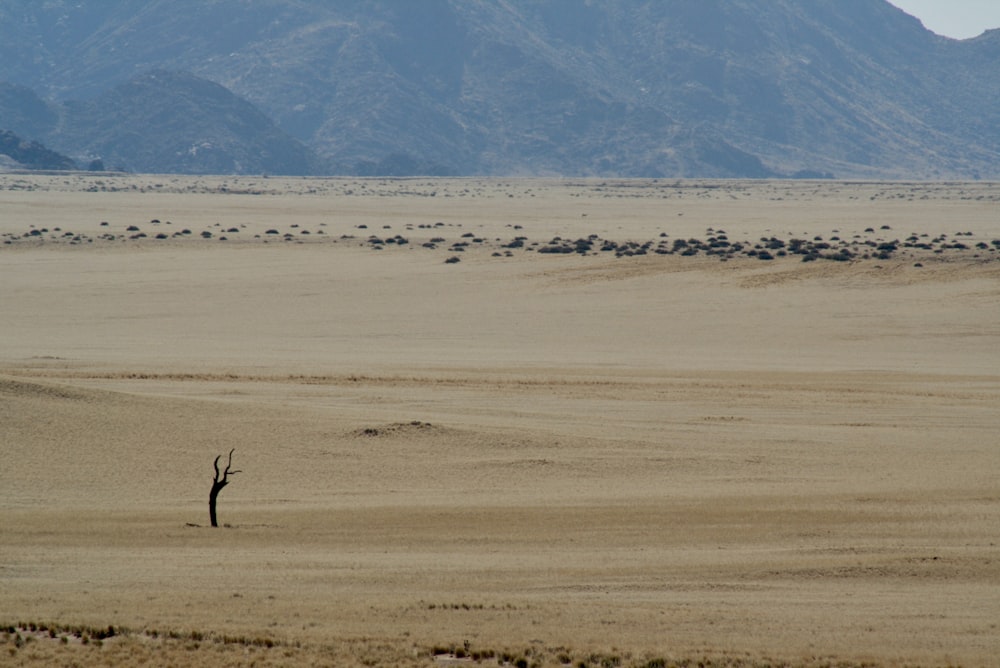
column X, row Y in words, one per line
column 74, row 646
column 542, row 459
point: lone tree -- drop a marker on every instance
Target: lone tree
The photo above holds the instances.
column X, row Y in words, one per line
column 218, row 484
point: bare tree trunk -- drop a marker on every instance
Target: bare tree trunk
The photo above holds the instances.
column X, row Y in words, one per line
column 217, row 485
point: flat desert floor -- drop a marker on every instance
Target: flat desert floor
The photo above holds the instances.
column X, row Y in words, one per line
column 521, row 422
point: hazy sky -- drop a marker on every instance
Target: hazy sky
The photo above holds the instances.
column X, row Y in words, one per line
column 954, row 18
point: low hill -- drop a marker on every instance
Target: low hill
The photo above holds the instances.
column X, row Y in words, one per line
column 26, row 154
column 175, row 122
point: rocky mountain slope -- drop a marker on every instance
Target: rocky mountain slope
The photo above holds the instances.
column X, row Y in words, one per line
column 19, row 153
column 714, row 88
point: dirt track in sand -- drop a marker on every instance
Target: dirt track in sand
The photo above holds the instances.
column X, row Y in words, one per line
column 553, row 456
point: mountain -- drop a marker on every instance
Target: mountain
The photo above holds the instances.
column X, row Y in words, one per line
column 854, row 88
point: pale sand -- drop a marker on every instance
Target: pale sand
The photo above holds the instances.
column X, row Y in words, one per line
column 642, row 457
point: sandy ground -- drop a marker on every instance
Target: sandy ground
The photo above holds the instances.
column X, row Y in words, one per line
column 597, row 458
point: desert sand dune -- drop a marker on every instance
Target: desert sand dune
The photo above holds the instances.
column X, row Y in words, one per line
column 596, row 458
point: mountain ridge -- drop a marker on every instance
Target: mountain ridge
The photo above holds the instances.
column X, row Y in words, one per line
column 715, row 88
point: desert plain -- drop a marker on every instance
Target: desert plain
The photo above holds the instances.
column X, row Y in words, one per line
column 526, row 422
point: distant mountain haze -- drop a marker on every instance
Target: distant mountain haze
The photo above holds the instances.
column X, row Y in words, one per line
column 672, row 88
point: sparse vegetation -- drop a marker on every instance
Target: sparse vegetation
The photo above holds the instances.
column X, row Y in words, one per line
column 867, row 244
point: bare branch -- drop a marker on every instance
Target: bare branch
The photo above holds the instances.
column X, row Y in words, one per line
column 227, row 472
column 216, row 465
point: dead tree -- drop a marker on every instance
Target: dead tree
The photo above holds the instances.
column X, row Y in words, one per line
column 218, row 484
